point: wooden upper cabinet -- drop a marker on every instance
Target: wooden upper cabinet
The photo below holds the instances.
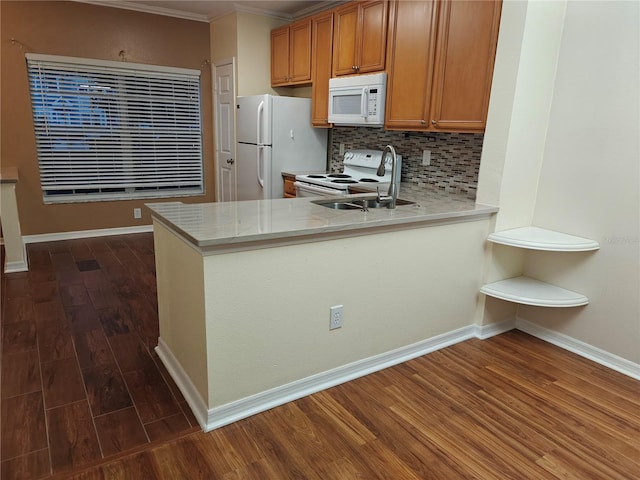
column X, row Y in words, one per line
column 322, row 41
column 360, row 36
column 280, row 55
column 464, row 64
column 291, row 54
column 412, row 40
column 441, row 56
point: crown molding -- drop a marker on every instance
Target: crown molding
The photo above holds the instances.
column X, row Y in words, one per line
column 138, row 7
column 232, row 7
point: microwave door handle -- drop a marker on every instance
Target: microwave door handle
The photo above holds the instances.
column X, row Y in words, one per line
column 365, row 102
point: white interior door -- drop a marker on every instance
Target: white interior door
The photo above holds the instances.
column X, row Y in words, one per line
column 224, row 108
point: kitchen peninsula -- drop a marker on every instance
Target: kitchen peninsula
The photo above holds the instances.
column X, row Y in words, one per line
column 245, row 289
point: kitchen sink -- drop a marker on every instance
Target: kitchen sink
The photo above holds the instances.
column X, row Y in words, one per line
column 358, row 203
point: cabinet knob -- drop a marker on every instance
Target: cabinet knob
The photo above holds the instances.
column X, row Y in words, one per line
column 433, row 122
column 423, row 122
column 354, row 68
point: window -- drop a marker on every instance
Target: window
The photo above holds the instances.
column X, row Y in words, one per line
column 114, row 130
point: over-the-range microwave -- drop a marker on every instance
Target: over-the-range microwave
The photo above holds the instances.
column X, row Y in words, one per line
column 357, row 100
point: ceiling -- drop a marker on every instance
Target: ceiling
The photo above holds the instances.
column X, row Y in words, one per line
column 206, row 10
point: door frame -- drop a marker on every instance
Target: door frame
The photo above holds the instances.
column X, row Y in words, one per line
column 227, row 61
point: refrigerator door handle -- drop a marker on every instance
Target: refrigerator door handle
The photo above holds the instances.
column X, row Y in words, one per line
column 259, row 150
column 259, row 129
column 259, row 156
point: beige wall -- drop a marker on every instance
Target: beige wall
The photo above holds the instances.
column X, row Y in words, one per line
column 224, row 37
column 267, row 311
column 247, row 37
column 254, row 53
column 590, row 179
column 181, row 303
column 561, row 152
column 90, row 31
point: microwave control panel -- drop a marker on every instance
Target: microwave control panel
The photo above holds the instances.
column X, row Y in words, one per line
column 372, row 108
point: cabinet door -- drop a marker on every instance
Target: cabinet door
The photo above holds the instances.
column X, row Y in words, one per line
column 372, row 39
column 300, row 52
column 280, row 56
column 344, row 39
column 412, row 39
column 464, row 64
column 322, row 41
column 289, row 187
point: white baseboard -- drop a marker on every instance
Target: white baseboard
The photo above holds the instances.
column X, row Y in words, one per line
column 581, row 348
column 13, row 267
column 103, row 232
column 184, row 383
column 487, row 331
column 210, row 419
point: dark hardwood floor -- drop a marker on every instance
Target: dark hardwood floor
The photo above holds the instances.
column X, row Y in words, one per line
column 510, row 407
column 80, row 379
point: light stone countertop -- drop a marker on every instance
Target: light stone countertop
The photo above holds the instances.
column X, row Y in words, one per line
column 228, row 226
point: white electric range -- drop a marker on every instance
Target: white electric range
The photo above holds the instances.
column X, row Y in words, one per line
column 358, row 167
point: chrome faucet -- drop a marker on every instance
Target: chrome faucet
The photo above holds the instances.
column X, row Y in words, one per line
column 392, row 194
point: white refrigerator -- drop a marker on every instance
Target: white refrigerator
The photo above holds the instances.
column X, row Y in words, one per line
column 274, row 134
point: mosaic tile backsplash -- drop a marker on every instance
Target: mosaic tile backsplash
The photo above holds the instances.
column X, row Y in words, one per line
column 455, row 157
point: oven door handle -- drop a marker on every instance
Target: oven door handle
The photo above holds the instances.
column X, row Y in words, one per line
column 318, row 190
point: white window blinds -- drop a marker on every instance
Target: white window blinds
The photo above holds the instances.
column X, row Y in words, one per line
column 112, row 130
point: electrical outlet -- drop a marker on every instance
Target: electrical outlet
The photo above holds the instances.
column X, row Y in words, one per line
column 335, row 317
column 137, row 213
column 341, row 149
column 426, row 158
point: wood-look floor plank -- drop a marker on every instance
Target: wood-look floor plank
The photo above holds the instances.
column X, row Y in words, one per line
column 106, row 389
column 398, row 435
column 20, row 373
column 54, row 341
column 287, row 462
column 32, row 466
column 17, row 310
column 62, row 382
column 167, row 427
column 82, row 318
column 45, row 291
column 72, row 436
column 151, row 395
column 120, row 431
column 23, row 425
column 19, row 336
column 92, row 348
column 183, row 460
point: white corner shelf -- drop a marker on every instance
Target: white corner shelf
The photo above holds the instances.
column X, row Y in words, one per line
column 528, row 291
column 535, row 238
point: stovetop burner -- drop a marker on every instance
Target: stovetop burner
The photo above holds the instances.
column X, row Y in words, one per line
column 316, row 176
column 373, row 180
column 339, row 175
